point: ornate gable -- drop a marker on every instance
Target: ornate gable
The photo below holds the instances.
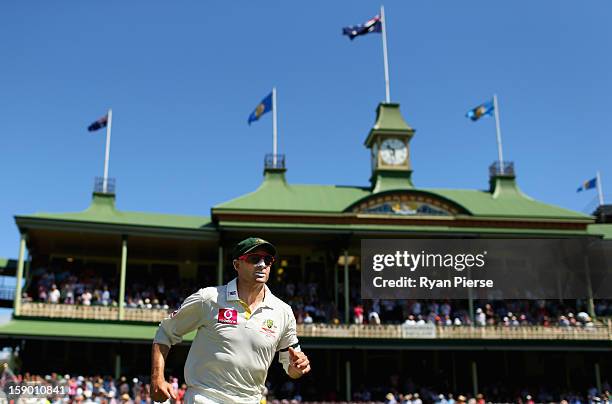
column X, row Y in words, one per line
column 407, row 203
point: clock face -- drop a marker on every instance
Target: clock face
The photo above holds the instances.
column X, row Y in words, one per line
column 393, row 151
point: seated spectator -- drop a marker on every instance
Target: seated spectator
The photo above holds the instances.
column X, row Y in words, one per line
column 86, row 298
column 373, row 318
column 307, row 318
column 410, row 320
column 358, row 314
column 481, row 319
column 54, row 295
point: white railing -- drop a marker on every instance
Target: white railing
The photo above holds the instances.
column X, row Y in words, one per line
column 531, row 332
column 73, row 311
column 600, row 331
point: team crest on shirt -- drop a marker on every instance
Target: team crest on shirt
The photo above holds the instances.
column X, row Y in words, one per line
column 268, row 328
column 228, row 316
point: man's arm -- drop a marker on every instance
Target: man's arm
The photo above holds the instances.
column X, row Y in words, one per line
column 161, row 390
column 188, row 317
column 299, row 364
column 294, row 361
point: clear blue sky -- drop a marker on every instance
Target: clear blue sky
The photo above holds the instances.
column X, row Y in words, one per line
column 183, row 77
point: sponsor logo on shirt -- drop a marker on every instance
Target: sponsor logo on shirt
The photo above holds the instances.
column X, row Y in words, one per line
column 228, row 316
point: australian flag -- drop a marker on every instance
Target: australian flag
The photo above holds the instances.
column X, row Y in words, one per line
column 99, row 124
column 264, row 106
column 372, row 25
column 486, row 108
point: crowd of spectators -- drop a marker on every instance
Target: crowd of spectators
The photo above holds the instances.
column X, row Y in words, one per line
column 80, row 389
column 400, row 390
column 87, row 289
column 523, row 397
column 499, row 394
column 101, row 389
column 309, row 307
column 311, row 304
column 499, row 312
column 67, row 288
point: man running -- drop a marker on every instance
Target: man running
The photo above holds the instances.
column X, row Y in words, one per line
column 240, row 327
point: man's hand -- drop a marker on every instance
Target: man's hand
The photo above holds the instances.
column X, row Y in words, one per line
column 299, row 364
column 161, row 390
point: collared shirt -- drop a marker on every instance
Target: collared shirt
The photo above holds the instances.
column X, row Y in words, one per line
column 229, row 358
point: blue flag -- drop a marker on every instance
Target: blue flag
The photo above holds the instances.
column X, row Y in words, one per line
column 486, row 108
column 372, row 25
column 590, row 184
column 99, row 124
column 264, row 106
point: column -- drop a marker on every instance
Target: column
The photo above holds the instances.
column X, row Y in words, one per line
column 598, row 377
column 336, row 285
column 590, row 302
column 347, row 319
column 22, row 247
column 474, row 378
column 117, row 366
column 122, row 278
column 506, row 366
column 337, row 372
column 348, row 380
column 26, row 266
column 220, row 266
column 454, row 372
column 471, row 307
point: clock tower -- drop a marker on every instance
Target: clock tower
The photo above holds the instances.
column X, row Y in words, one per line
column 389, row 142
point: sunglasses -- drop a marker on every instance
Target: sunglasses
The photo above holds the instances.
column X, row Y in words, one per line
column 254, row 258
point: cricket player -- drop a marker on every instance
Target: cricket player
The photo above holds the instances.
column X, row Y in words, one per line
column 240, row 327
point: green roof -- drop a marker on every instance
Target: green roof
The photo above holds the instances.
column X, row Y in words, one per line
column 604, row 230
column 102, row 210
column 80, row 329
column 389, row 120
column 505, row 200
column 394, row 228
column 4, row 262
column 275, row 194
column 389, row 117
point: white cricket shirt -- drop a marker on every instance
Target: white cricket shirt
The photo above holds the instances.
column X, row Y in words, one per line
column 229, row 358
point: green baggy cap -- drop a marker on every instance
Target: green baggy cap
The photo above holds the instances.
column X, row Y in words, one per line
column 250, row 244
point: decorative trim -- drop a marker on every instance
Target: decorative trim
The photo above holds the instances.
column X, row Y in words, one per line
column 406, row 204
column 395, row 220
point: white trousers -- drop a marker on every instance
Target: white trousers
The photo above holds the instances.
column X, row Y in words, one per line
column 192, row 397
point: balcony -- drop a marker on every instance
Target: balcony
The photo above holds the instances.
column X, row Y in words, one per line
column 79, row 312
column 598, row 332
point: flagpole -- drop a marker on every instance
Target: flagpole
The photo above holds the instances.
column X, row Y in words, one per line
column 599, row 189
column 274, row 128
column 500, row 154
column 385, row 56
column 106, row 156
